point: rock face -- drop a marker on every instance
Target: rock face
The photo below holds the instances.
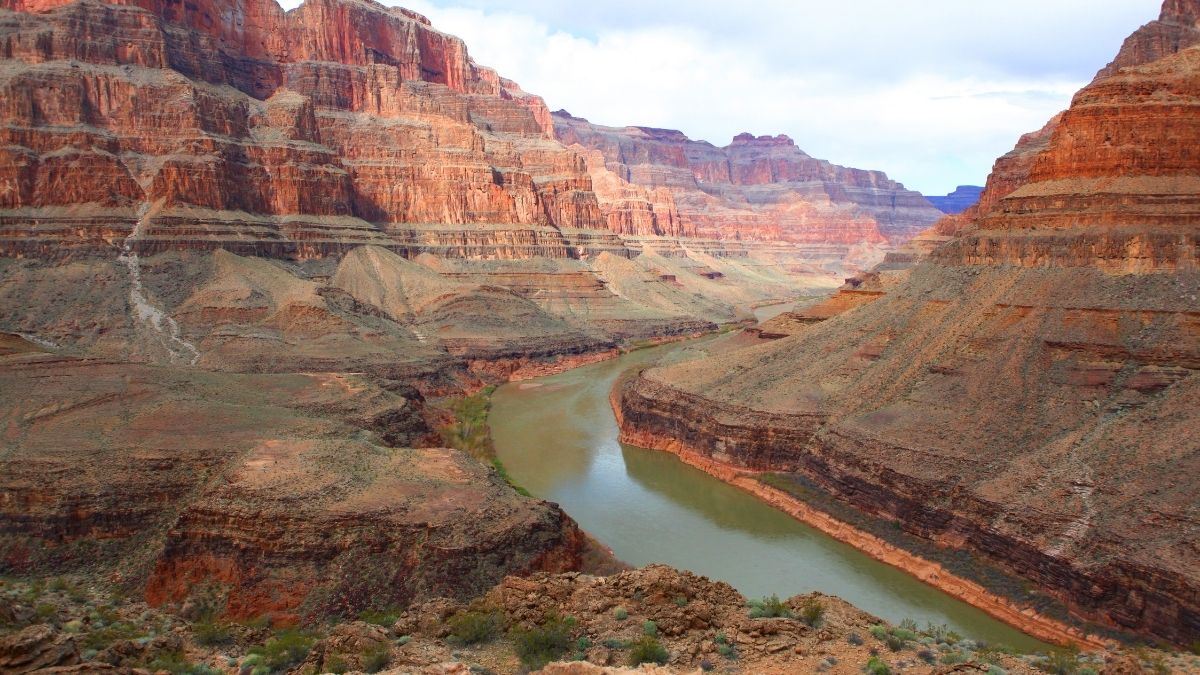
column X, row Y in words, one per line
column 1027, row 392
column 287, row 135
column 963, row 198
column 283, row 494
column 757, row 188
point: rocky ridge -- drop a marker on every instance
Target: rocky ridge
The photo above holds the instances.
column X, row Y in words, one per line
column 1023, row 393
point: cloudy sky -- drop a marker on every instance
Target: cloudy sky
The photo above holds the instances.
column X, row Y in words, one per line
column 929, row 91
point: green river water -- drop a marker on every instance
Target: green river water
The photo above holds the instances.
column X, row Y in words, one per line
column 558, row 438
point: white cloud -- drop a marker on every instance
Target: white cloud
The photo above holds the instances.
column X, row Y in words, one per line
column 931, row 93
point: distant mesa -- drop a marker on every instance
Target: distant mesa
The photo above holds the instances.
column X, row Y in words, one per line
column 963, row 198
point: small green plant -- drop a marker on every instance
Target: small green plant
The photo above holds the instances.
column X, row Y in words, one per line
column 680, row 601
column 725, row 648
column 812, row 611
column 879, row 632
column 769, row 608
column 403, row 640
column 379, row 617
column 474, row 627
column 210, row 633
column 176, row 663
column 613, row 643
column 648, row 650
column 927, row 656
column 876, row 666
column 1059, row 663
column 287, row 649
column 620, row 614
column 538, row 646
column 59, row 584
column 895, row 643
column 336, row 664
column 376, row 658
column 954, row 658
column 259, row 623
column 650, row 629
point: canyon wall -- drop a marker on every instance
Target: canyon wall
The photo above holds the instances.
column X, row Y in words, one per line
column 757, row 188
column 1025, row 392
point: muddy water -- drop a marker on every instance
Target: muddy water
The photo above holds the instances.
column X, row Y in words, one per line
column 558, row 438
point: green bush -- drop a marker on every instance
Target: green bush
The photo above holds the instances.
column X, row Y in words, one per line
column 543, row 644
column 648, row 650
column 680, row 601
column 855, row 639
column 895, row 643
column 336, row 664
column 877, row 667
column 283, row 651
column 812, row 611
column 473, row 627
column 211, row 633
column 379, row 617
column 1059, row 663
column 954, row 658
column 613, row 643
column 769, row 608
column 620, row 614
column 376, row 658
column 650, row 628
column 879, row 632
column 176, row 663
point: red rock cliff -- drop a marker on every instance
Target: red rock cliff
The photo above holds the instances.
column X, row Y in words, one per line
column 292, row 134
column 757, row 188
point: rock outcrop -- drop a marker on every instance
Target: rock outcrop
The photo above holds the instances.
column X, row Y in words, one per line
column 1027, row 392
column 757, row 188
column 290, row 495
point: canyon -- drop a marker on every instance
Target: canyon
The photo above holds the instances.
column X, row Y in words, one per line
column 1023, row 386
column 248, row 256
column 252, row 259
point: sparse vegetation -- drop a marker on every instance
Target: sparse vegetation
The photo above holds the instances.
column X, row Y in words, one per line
column 620, row 614
column 470, row 432
column 542, row 644
column 211, row 633
column 650, row 629
column 1059, row 663
column 855, row 639
column 769, row 608
column 379, row 617
column 876, row 666
column 812, row 612
column 286, row 649
column 376, row 658
column 648, row 650
column 473, row 627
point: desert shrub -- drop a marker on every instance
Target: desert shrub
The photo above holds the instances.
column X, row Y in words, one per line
column 927, row 656
column 283, row 651
column 101, row 638
column 769, row 608
column 620, row 614
column 613, row 643
column 376, row 658
column 176, row 663
column 855, row 639
column 336, row 664
column 1059, row 663
column 812, row 611
column 876, row 666
column 473, row 627
column 403, row 640
column 954, row 658
column 996, row 670
column 379, row 617
column 648, row 650
column 650, row 628
column 879, row 632
column 727, row 651
column 680, row 601
column 211, row 633
column 707, row 666
column 895, row 643
column 538, row 646
column 59, row 584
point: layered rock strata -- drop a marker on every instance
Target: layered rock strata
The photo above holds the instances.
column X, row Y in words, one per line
column 1027, row 392
column 757, row 188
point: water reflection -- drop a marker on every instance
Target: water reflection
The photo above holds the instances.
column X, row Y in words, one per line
column 559, row 441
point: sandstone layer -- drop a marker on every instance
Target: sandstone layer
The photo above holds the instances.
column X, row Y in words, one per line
column 1028, row 391
column 760, row 188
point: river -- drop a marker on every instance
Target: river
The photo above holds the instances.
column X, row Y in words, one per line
column 558, row 438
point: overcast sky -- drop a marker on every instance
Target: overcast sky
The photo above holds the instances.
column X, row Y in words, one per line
column 930, row 91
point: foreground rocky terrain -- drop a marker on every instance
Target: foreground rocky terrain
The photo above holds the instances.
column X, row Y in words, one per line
column 568, row 624
column 1029, row 391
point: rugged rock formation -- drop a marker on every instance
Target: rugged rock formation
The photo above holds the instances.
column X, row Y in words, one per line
column 963, row 198
column 1177, row 28
column 757, row 188
column 1027, row 392
column 283, row 494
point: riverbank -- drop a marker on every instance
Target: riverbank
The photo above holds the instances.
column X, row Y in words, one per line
column 931, row 573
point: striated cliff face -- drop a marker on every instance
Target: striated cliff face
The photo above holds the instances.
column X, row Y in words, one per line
column 289, row 135
column 1178, row 27
column 1027, row 393
column 757, row 188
